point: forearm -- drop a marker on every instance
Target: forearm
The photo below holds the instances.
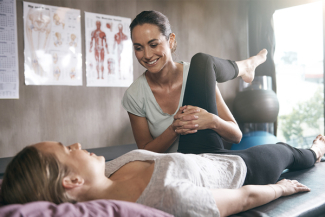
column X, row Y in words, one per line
column 228, row 130
column 257, row 195
column 231, row 201
column 162, row 142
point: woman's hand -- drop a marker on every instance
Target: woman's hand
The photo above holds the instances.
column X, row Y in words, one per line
column 189, row 119
column 185, row 125
column 290, row 187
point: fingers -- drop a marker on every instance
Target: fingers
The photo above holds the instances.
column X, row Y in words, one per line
column 180, row 110
column 292, row 187
column 186, row 110
column 300, row 187
column 183, row 107
column 185, row 125
column 191, row 113
column 191, row 109
column 185, row 131
column 183, row 117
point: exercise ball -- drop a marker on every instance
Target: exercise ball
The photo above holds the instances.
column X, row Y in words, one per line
column 255, row 138
column 256, row 106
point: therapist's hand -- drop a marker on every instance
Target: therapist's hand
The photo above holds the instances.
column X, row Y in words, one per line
column 184, row 125
column 193, row 118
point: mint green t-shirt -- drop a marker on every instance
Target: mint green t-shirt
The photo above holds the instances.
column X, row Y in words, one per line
column 139, row 100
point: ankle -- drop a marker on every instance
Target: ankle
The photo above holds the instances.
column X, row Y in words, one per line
column 315, row 153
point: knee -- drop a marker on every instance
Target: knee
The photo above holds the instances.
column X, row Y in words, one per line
column 199, row 57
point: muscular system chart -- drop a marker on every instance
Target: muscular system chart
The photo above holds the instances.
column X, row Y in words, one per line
column 109, row 60
column 9, row 82
column 52, row 41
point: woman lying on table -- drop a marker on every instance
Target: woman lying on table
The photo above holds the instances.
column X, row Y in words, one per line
column 180, row 184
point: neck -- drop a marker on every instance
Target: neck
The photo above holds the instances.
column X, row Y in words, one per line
column 167, row 76
column 100, row 190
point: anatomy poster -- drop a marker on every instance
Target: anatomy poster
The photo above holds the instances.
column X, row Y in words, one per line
column 9, row 78
column 52, row 38
column 108, row 51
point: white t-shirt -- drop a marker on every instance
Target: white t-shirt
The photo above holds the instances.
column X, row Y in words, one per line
column 180, row 183
column 139, row 100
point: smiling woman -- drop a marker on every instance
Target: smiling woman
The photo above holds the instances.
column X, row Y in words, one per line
column 158, row 101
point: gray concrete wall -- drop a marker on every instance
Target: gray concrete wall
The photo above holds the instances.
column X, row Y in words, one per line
column 94, row 116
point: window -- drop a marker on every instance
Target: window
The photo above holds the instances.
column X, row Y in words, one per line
column 300, row 73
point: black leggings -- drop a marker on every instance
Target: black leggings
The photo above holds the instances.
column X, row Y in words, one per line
column 265, row 163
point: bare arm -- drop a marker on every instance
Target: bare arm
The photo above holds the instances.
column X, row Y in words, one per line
column 231, row 201
column 225, row 124
column 144, row 139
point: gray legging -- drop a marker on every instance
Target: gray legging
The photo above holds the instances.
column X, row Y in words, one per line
column 265, row 163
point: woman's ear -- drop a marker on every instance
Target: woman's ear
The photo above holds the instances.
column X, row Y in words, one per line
column 72, row 181
column 172, row 38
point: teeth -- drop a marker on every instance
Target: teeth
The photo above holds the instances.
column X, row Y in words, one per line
column 152, row 62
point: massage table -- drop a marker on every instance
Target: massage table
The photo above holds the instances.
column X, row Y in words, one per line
column 311, row 204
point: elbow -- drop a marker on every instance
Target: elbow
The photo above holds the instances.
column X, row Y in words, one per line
column 237, row 138
column 142, row 146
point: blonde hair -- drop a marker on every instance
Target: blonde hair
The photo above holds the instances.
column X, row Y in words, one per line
column 34, row 176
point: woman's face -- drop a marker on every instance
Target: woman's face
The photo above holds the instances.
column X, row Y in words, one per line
column 79, row 161
column 151, row 47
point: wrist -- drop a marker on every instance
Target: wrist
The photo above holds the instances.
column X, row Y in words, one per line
column 282, row 189
column 279, row 189
column 172, row 130
column 213, row 125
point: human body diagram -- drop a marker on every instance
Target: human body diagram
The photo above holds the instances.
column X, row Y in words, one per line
column 38, row 29
column 118, row 41
column 52, row 48
column 100, row 41
column 109, row 49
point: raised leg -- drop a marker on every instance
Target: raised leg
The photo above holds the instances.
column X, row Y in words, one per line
column 204, row 71
column 247, row 67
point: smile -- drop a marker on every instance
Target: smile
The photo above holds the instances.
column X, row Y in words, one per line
column 152, row 62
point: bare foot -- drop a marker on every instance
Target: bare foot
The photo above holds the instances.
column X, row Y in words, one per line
column 319, row 147
column 247, row 67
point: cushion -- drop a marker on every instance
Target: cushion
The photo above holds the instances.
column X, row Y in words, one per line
column 107, row 208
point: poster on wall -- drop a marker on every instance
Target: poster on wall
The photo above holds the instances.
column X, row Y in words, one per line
column 52, row 39
column 109, row 61
column 9, row 79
